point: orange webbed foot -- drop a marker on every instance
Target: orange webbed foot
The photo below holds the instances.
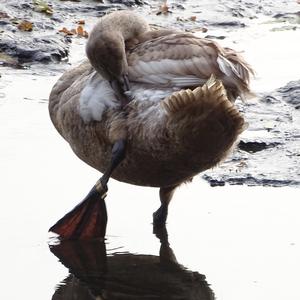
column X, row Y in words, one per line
column 85, row 221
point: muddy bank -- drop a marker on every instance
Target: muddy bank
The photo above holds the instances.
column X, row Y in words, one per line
column 269, row 151
column 48, row 35
column 41, row 31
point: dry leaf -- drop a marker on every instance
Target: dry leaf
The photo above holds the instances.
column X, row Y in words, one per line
column 66, row 31
column 193, row 18
column 79, row 31
column 164, row 9
column 81, row 22
column 25, row 26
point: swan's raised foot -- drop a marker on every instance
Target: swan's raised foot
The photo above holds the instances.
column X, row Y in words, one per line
column 87, row 220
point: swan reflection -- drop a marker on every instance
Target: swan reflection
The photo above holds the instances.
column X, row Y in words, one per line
column 125, row 276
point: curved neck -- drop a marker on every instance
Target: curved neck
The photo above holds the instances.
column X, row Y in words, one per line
column 128, row 24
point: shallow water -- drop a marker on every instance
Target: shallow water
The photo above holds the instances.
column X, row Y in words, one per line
column 244, row 240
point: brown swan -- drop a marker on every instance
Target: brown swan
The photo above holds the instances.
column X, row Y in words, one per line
column 181, row 120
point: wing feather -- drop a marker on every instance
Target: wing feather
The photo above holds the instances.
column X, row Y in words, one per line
column 182, row 58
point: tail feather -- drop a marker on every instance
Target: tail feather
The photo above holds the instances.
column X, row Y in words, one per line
column 205, row 117
column 206, row 97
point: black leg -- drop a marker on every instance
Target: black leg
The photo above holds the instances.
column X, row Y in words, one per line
column 118, row 154
column 88, row 219
column 160, row 216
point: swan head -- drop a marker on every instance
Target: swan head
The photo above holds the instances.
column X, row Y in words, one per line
column 128, row 23
column 106, row 52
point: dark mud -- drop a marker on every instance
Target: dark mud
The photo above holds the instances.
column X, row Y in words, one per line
column 269, row 151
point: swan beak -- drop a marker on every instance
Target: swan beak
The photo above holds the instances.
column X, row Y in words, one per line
column 86, row 221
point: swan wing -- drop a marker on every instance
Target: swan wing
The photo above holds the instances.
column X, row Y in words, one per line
column 184, row 60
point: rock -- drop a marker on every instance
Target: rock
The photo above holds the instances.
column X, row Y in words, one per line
column 292, row 17
column 37, row 49
column 127, row 2
column 250, row 181
column 290, row 93
column 219, row 37
column 255, row 146
column 232, row 23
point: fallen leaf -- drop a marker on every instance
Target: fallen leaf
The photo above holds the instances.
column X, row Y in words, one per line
column 66, row 31
column 25, row 26
column 80, row 22
column 42, row 6
column 164, row 9
column 79, row 31
column 193, row 18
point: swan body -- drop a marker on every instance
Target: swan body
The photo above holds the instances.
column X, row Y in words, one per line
column 181, row 120
column 169, row 140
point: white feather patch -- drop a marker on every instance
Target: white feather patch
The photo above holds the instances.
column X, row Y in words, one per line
column 96, row 97
column 144, row 92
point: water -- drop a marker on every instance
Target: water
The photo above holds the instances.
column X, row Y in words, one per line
column 244, row 240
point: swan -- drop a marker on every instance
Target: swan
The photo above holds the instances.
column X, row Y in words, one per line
column 180, row 121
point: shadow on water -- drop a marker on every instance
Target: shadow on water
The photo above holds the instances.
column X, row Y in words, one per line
column 96, row 275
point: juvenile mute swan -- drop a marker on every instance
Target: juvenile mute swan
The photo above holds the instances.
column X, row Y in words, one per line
column 181, row 122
